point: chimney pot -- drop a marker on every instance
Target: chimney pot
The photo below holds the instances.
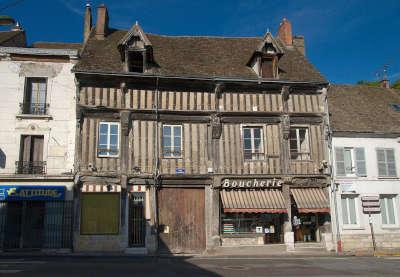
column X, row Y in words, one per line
column 285, row 32
column 102, row 22
column 87, row 25
column 298, row 43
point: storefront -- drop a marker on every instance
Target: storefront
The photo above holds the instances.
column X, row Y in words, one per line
column 35, row 216
column 253, row 212
column 310, row 212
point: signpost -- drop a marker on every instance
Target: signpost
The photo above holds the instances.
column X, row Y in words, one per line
column 370, row 205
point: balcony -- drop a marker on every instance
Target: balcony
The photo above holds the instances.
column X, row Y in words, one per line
column 34, row 108
column 28, row 167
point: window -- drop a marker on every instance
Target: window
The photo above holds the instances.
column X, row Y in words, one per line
column 99, row 213
column 172, row 141
column 108, row 143
column 386, row 163
column 268, row 67
column 253, row 143
column 350, row 161
column 135, row 61
column 31, row 156
column 349, row 210
column 299, row 144
column 35, row 96
column 388, row 210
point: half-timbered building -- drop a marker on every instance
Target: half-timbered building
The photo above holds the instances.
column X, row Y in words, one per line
column 188, row 143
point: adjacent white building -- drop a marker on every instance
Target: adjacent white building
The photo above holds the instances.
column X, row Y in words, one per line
column 365, row 125
column 37, row 141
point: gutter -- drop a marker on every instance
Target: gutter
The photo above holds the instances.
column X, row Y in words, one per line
column 214, row 79
column 39, row 51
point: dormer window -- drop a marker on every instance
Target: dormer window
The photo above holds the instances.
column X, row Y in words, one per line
column 135, row 61
column 269, row 68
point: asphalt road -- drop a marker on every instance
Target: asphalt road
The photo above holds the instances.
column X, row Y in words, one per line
column 210, row 266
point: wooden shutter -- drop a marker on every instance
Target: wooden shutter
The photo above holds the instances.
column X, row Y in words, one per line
column 25, row 154
column 390, row 162
column 380, row 153
column 37, row 153
column 361, row 168
column 267, row 68
column 339, row 159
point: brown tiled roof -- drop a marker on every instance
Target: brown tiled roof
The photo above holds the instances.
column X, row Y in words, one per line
column 363, row 109
column 191, row 56
column 7, row 35
column 56, row 45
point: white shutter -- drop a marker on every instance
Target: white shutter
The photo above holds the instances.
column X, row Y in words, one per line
column 380, row 154
column 339, row 159
column 390, row 162
column 361, row 168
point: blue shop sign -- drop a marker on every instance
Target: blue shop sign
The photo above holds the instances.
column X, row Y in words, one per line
column 38, row 193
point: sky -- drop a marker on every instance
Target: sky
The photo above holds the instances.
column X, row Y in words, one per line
column 347, row 40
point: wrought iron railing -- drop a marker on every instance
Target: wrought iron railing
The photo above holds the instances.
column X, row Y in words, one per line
column 28, row 167
column 34, row 108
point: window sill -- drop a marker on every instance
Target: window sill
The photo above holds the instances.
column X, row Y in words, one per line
column 388, row 178
column 390, row 227
column 34, row 116
column 172, row 158
column 349, row 227
column 108, row 157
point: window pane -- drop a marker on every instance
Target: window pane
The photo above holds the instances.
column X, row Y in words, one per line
column 114, row 129
column 103, row 139
column 103, row 128
column 345, row 213
column 166, row 141
column 167, row 152
column 348, row 161
column 177, row 152
column 257, row 133
column 383, row 211
column 257, row 144
column 247, row 144
column 390, row 209
column 114, row 140
column 293, row 134
column 166, row 131
column 246, row 133
column 352, row 210
column 177, row 131
column 177, row 142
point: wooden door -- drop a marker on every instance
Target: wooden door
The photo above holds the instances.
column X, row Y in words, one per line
column 181, row 219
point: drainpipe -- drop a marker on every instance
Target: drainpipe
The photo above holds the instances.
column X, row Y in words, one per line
column 156, row 171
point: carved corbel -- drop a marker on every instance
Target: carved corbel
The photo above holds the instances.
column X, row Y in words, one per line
column 124, row 88
column 285, row 93
column 286, row 126
column 125, row 120
column 216, row 126
column 218, row 90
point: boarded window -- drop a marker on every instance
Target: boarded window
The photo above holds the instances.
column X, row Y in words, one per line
column 100, row 213
column 267, row 68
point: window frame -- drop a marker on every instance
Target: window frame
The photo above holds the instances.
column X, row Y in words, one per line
column 262, row 150
column 347, row 196
column 382, row 198
column 298, row 145
column 28, row 92
column 386, row 163
column 172, row 146
column 108, row 155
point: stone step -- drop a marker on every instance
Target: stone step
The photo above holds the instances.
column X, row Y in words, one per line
column 313, row 245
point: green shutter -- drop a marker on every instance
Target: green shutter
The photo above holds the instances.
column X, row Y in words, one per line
column 339, row 160
column 360, row 161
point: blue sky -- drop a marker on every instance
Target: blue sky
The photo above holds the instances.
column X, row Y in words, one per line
column 347, row 40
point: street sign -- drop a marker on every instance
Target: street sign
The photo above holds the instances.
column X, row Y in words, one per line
column 371, row 210
column 370, row 204
column 370, row 198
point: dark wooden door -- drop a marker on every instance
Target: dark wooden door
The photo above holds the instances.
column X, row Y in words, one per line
column 181, row 220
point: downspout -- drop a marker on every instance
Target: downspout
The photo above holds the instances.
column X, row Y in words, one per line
column 156, row 171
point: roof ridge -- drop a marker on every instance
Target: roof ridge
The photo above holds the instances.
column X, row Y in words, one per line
column 203, row 36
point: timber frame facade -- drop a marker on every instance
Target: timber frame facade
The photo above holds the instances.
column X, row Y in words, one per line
column 183, row 206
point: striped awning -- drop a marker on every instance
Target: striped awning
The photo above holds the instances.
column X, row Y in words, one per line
column 311, row 200
column 253, row 201
column 100, row 188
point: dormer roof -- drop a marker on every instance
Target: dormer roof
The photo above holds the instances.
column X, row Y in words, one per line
column 269, row 39
column 135, row 31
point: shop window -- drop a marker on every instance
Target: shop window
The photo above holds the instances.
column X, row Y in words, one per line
column 108, row 142
column 299, row 144
column 100, row 213
column 172, row 141
column 350, row 161
column 386, row 163
column 388, row 210
column 253, row 143
column 349, row 210
column 35, row 96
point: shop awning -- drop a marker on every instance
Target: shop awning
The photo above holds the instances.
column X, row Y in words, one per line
column 311, row 200
column 253, row 201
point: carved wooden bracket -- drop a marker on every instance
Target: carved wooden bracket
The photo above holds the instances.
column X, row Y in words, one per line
column 218, row 90
column 216, row 126
column 285, row 126
column 285, row 93
column 125, row 121
column 124, row 89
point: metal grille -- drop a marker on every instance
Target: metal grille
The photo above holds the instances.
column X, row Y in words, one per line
column 137, row 220
column 36, row 224
column 28, row 167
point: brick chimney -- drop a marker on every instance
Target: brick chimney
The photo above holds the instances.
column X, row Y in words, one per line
column 285, row 32
column 87, row 25
column 102, row 22
column 298, row 43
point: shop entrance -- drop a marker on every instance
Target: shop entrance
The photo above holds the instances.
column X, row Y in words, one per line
column 35, row 224
column 137, row 220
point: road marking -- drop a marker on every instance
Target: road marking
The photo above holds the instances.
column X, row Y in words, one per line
column 21, row 262
column 9, row 271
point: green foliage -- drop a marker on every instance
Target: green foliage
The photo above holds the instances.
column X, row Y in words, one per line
column 396, row 84
column 369, row 83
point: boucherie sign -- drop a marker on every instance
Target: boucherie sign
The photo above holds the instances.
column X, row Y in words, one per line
column 251, row 183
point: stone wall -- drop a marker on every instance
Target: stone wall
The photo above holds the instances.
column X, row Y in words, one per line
column 360, row 244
